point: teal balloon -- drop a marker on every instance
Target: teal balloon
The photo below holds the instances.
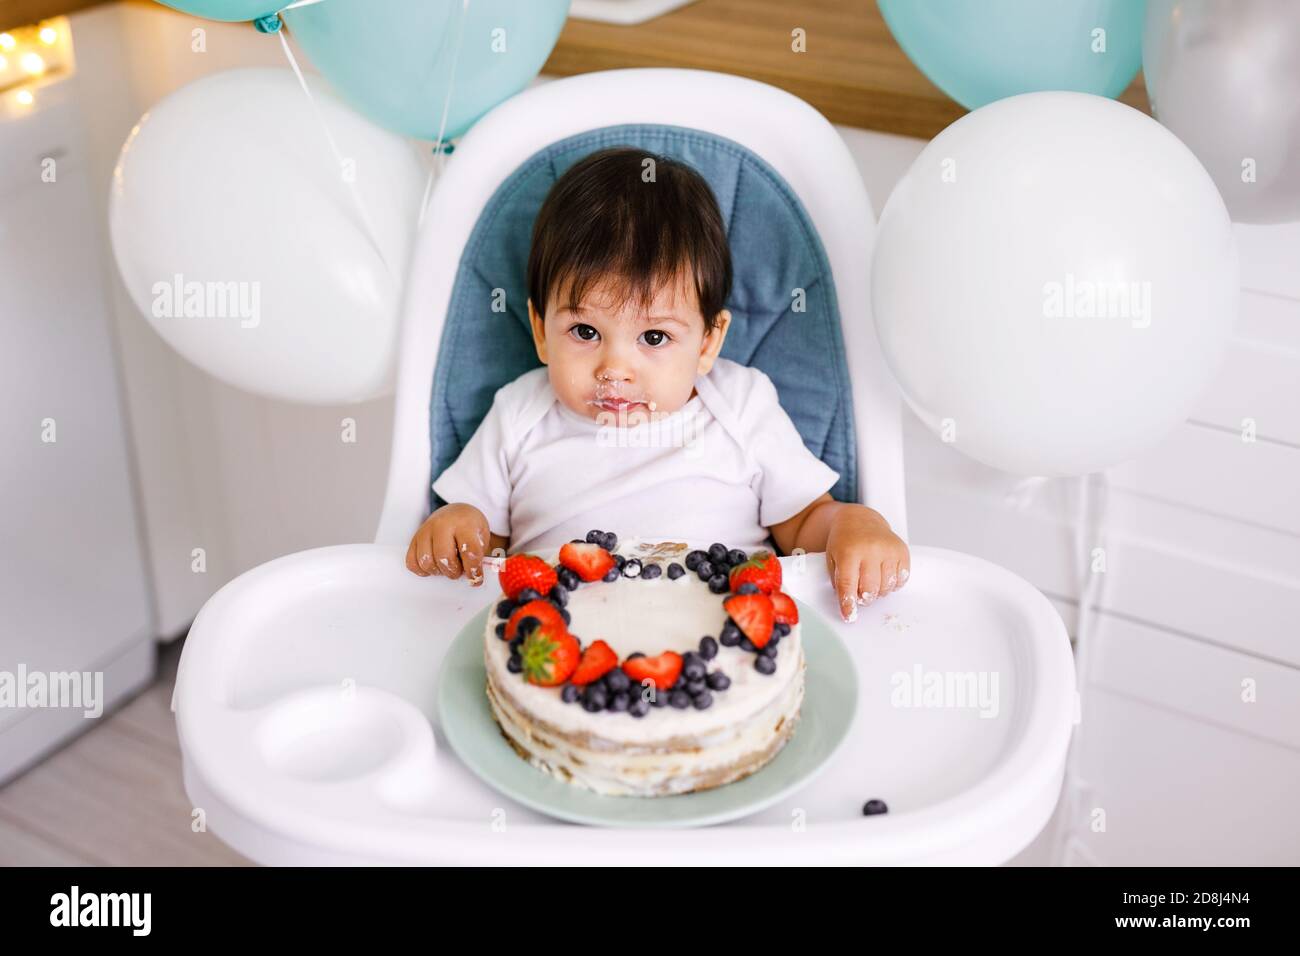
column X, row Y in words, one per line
column 391, row 60
column 978, row 52
column 229, row 10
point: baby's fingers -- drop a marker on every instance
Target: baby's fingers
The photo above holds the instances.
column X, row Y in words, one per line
column 420, row 554
column 844, row 578
column 470, row 546
column 445, row 554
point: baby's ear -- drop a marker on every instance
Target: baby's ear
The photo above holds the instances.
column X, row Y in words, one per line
column 713, row 342
column 538, row 326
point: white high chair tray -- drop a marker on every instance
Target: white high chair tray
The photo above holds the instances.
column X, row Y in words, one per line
column 306, row 710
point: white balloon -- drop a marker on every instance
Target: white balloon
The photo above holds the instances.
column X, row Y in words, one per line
column 238, row 238
column 1054, row 282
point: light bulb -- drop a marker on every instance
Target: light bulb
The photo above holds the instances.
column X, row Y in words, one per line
column 32, row 63
column 7, row 41
column 25, row 97
column 48, row 35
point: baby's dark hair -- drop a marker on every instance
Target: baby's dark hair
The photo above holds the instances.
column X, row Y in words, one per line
column 606, row 216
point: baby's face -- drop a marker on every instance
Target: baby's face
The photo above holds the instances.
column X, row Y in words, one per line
column 611, row 359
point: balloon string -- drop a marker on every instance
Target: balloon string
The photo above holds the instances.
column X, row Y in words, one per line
column 1089, row 532
column 439, row 157
column 338, row 156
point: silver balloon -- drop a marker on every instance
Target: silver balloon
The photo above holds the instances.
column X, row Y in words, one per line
column 1224, row 76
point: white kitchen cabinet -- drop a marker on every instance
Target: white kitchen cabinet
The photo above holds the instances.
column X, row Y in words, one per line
column 73, row 589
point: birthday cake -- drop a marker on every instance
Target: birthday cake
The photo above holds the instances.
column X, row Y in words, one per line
column 646, row 670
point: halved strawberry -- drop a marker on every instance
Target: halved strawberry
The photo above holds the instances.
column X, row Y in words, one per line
column 597, row 661
column 544, row 611
column 662, row 670
column 753, row 614
column 526, row 571
column 550, row 655
column 589, row 561
column 762, row 569
column 783, row 608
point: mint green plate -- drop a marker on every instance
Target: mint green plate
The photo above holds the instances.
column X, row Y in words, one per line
column 830, row 699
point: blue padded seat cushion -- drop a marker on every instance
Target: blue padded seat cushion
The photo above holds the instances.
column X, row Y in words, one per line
column 774, row 250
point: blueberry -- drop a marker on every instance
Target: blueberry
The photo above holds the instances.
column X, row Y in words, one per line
column 617, row 681
column 693, row 559
column 717, row 552
column 708, row 648
column 747, row 645
column 782, row 629
column 515, row 665
column 659, row 700
column 675, row 570
column 609, row 541
column 774, row 640
column 506, row 608
column 569, row 578
column 730, row 633
column 705, row 570
column 693, row 667
column 501, row 630
column 516, row 642
column 769, row 650
column 570, row 693
column 528, row 594
column 619, row 702
column 527, row 623
column 718, row 584
column 632, row 568
column 702, row 700
column 735, row 556
column 695, row 687
column 620, row 561
column 567, row 617
column 634, row 655
column 764, row 665
column 680, row 699
column 639, row 707
column 873, row 807
column 651, row 571
column 718, row 681
column 595, row 537
column 612, row 574
column 594, row 697
column 749, row 587
column 558, row 595
column 679, row 683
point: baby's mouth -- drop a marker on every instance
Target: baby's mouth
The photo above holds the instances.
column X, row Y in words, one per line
column 620, row 403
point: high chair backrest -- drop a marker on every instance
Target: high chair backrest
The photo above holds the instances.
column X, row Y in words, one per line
column 799, row 225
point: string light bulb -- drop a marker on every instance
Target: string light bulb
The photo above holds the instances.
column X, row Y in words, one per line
column 48, row 35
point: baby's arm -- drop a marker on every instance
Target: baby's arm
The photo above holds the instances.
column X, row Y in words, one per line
column 864, row 558
column 452, row 542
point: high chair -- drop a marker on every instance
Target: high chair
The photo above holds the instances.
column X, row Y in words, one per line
column 286, row 775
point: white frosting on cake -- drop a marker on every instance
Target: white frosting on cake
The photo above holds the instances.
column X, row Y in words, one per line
column 669, row 750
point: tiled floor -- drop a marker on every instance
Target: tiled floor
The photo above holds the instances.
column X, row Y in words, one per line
column 112, row 796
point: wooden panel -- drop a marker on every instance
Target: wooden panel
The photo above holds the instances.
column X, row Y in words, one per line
column 853, row 71
column 1199, row 680
column 1207, row 577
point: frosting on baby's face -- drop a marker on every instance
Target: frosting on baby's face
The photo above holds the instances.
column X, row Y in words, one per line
column 614, row 360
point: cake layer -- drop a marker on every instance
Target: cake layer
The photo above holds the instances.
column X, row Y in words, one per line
column 651, row 772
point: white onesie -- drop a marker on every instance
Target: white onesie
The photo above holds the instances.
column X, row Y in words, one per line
column 724, row 467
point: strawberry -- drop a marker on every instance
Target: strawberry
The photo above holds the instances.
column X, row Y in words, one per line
column 753, row 614
column 544, row 611
column 550, row 654
column 589, row 561
column 526, row 571
column 597, row 660
column 784, row 609
column 762, row 569
column 662, row 670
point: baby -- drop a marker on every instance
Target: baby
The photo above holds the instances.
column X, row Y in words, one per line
column 634, row 422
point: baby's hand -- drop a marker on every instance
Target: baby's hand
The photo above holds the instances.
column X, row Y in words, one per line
column 451, row 542
column 866, row 560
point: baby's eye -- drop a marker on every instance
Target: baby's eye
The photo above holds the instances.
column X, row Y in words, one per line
column 656, row 337
column 580, row 331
